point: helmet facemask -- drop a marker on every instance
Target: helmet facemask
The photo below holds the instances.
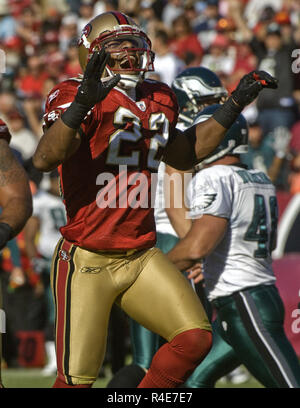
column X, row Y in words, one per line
column 130, row 54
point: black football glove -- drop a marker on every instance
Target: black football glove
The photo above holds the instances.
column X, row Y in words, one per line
column 91, row 90
column 6, row 234
column 247, row 90
column 250, row 86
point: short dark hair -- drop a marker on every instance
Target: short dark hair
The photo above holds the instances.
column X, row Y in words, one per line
column 162, row 35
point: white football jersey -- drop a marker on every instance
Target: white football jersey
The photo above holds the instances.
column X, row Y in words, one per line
column 247, row 198
column 163, row 224
column 51, row 212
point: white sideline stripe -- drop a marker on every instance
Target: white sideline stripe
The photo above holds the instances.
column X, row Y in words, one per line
column 264, row 340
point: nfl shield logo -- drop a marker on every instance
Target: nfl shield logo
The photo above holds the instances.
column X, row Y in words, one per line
column 141, row 105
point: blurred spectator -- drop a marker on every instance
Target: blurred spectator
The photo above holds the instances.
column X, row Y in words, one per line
column 205, row 25
column 276, row 107
column 191, row 13
column 295, row 139
column 12, row 49
column 34, row 108
column 109, row 5
column 171, row 11
column 31, row 80
column 68, row 31
column 268, row 153
column 184, row 42
column 244, row 62
column 61, row 6
column 166, row 64
column 53, row 59
column 260, row 152
column 7, row 103
column 51, row 20
column 294, row 177
column 7, row 23
column 146, row 14
column 283, row 20
column 129, row 7
column 261, row 9
column 28, row 30
column 86, row 13
column 41, row 236
column 23, row 139
column 72, row 67
column 101, row 6
column 73, row 5
column 218, row 59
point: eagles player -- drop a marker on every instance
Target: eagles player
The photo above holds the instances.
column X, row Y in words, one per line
column 234, row 212
column 110, row 119
column 15, row 199
column 195, row 88
column 41, row 236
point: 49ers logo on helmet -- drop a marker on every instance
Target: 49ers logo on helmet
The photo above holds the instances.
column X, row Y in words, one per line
column 85, row 34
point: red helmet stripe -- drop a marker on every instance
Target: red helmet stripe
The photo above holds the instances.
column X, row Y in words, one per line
column 121, row 18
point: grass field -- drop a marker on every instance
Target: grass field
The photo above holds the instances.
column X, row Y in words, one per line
column 33, row 378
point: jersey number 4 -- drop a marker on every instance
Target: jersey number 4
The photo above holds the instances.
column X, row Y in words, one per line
column 157, row 122
column 258, row 230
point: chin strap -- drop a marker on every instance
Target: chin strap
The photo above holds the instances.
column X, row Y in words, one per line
column 127, row 81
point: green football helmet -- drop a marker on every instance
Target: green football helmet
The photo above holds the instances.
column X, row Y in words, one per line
column 235, row 141
column 195, row 88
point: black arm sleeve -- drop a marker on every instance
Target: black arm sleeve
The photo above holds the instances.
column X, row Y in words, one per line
column 180, row 151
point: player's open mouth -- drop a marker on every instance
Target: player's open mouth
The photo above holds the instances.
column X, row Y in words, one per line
column 128, row 62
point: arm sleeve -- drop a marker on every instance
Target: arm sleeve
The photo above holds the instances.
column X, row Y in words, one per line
column 180, row 151
column 210, row 196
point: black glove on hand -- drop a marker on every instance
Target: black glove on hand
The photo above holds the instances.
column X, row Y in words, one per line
column 250, row 86
column 247, row 90
column 91, row 91
column 6, row 233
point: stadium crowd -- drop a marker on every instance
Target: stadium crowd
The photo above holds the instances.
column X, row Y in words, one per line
column 38, row 43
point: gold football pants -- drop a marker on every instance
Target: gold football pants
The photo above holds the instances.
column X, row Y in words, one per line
column 85, row 284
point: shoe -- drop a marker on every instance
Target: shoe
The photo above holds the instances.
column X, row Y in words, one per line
column 50, row 368
column 238, row 376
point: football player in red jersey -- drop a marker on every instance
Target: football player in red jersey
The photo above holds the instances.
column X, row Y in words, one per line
column 111, row 128
column 15, row 200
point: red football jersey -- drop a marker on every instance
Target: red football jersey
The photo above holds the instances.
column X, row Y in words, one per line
column 4, row 132
column 106, row 184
